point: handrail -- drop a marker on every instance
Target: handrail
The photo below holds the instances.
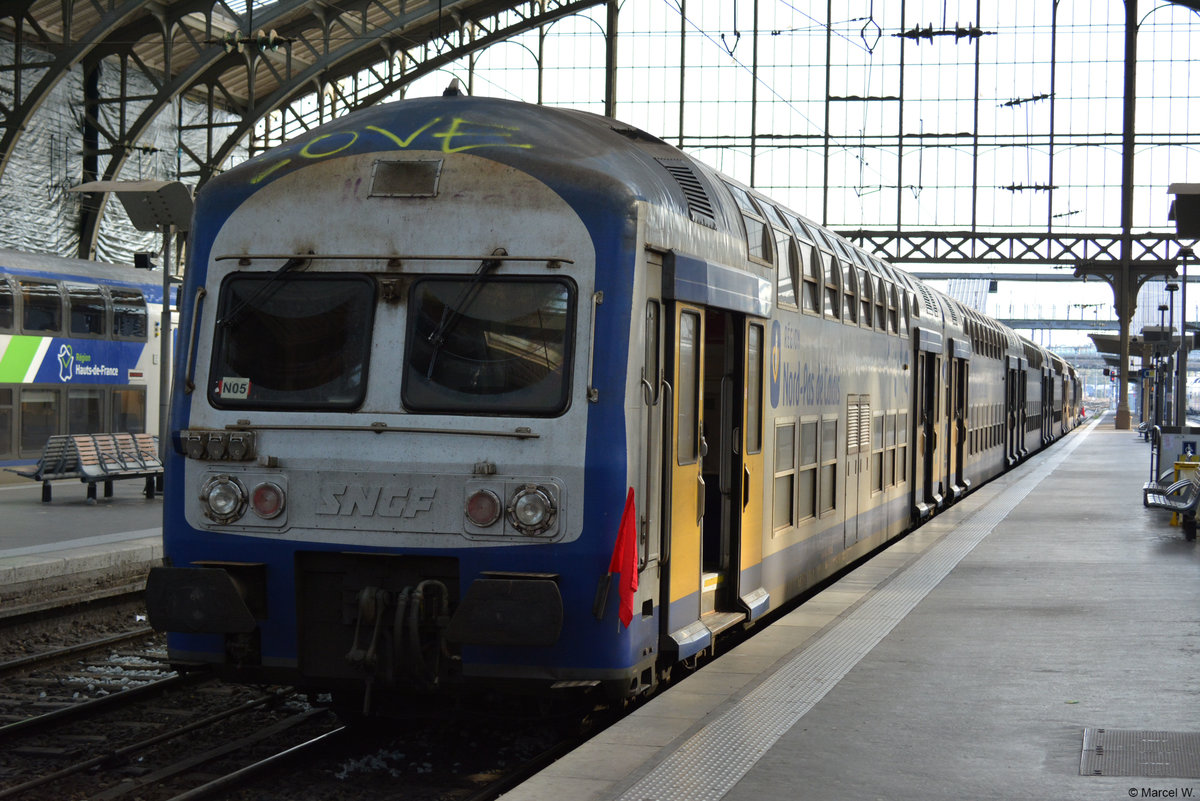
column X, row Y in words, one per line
column 189, row 385
column 593, row 394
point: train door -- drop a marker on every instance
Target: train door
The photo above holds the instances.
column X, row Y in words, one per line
column 1047, row 404
column 858, row 465
column 753, row 472
column 1011, row 410
column 685, row 486
column 715, row 470
column 1022, row 408
column 725, row 470
column 927, row 489
column 956, row 412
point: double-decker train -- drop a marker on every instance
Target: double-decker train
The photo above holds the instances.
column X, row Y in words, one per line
column 79, row 347
column 473, row 393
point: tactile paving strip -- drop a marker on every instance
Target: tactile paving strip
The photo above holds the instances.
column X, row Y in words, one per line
column 1129, row 752
column 707, row 765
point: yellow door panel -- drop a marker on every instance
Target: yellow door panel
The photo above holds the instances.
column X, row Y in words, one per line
column 687, row 484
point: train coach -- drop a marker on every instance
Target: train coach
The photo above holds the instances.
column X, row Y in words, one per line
column 479, row 393
column 79, row 345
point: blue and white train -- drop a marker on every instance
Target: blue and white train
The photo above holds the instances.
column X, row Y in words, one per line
column 471, row 392
column 79, row 348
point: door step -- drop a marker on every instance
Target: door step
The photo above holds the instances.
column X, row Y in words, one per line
column 716, row 622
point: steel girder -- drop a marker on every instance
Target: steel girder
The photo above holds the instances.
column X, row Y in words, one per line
column 206, row 51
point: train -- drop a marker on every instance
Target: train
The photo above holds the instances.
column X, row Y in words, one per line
column 477, row 394
column 79, row 351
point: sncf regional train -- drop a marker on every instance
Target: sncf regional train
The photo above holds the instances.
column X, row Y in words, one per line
column 476, row 392
column 79, row 346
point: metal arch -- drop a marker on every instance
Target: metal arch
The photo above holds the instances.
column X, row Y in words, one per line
column 209, row 54
column 72, row 54
column 352, row 59
column 147, row 37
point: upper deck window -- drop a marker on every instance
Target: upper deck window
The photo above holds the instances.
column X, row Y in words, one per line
column 292, row 341
column 129, row 313
column 489, row 345
column 8, row 307
column 758, row 235
column 87, row 308
column 42, row 302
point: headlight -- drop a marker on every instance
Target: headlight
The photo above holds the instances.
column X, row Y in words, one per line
column 267, row 500
column 531, row 510
column 223, row 499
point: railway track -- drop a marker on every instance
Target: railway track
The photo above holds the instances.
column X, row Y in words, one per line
column 105, row 717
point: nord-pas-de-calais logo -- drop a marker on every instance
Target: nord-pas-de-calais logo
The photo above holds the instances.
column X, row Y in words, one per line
column 66, row 359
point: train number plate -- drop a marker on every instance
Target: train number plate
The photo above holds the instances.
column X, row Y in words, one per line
column 234, row 388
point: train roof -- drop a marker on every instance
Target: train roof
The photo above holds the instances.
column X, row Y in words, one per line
column 44, row 265
column 587, row 158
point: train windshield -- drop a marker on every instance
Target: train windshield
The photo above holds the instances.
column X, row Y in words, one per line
column 489, row 345
column 292, row 341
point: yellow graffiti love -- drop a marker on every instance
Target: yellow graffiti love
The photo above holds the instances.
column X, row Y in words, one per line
column 456, row 135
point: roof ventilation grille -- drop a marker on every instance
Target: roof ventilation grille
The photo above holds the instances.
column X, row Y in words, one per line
column 699, row 205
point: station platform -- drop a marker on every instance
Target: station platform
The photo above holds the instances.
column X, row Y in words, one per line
column 71, row 541
column 1038, row 640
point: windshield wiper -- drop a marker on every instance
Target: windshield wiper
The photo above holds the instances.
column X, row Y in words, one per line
column 288, row 266
column 451, row 315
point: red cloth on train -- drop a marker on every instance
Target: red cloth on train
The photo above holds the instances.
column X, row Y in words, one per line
column 624, row 559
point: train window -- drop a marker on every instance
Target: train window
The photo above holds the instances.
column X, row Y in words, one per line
column 877, row 454
column 689, row 388
column 880, row 305
column 754, row 389
column 758, row 235
column 39, row 419
column 129, row 313
column 6, row 422
column 901, row 448
column 850, row 284
column 833, row 285
column 42, row 307
column 783, row 515
column 85, row 411
column 866, row 296
column 889, row 462
column 650, row 366
column 129, row 410
column 806, row 479
column 811, row 270
column 8, row 308
column 787, row 264
column 494, row 345
column 86, row 310
column 293, row 341
column 772, row 214
column 828, row 465
column 893, row 320
column 907, row 302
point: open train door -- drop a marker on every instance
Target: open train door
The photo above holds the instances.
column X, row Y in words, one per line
column 751, row 594
column 956, row 396
column 685, row 485
column 1012, row 409
column 927, row 375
